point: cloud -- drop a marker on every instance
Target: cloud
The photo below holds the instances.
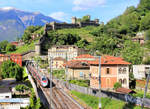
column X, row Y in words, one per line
column 87, row 4
column 60, row 16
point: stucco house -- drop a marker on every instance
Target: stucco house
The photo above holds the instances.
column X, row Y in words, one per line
column 113, row 69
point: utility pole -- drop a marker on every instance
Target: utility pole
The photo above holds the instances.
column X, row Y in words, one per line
column 51, row 82
column 145, row 91
column 66, row 69
column 99, row 106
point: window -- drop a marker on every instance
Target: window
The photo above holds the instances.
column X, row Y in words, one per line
column 7, row 96
column 108, row 71
column 120, row 80
column 81, row 74
column 120, row 70
column 124, row 70
column 147, row 69
column 124, row 81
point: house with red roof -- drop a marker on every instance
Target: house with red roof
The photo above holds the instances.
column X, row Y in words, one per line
column 79, row 67
column 113, row 69
column 17, row 58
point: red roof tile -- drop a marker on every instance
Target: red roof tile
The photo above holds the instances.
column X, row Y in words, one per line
column 124, row 90
column 110, row 60
column 77, row 64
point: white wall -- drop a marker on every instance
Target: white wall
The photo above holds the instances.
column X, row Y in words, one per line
column 3, row 95
column 139, row 71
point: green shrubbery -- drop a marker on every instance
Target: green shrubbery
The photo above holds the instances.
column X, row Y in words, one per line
column 83, row 83
column 10, row 69
column 107, row 103
column 117, row 85
column 21, row 88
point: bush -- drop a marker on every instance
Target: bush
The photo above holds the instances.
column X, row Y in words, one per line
column 21, row 88
column 83, row 83
column 10, row 69
column 10, row 48
column 117, row 85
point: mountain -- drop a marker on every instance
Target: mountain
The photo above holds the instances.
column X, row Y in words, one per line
column 13, row 22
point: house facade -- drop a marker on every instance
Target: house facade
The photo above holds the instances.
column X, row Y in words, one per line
column 139, row 71
column 79, row 67
column 17, row 58
column 58, row 63
column 113, row 69
column 65, row 51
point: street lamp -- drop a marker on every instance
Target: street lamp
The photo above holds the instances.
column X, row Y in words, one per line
column 145, row 91
column 99, row 106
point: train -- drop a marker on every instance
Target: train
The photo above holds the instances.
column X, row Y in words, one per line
column 37, row 74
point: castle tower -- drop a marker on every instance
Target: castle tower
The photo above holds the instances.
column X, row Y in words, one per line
column 74, row 20
column 97, row 21
column 38, row 48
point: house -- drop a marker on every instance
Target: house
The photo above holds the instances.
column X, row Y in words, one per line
column 17, row 58
column 65, row 51
column 113, row 69
column 4, row 57
column 79, row 67
column 5, row 93
column 58, row 63
column 139, row 71
column 139, row 38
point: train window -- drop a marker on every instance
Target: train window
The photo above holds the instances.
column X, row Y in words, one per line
column 43, row 79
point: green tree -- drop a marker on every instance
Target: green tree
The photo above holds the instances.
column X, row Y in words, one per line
column 28, row 33
column 3, row 46
column 21, row 88
column 132, row 52
column 117, row 85
column 82, row 43
column 10, row 47
column 10, row 69
column 85, row 18
column 132, row 81
column 145, row 22
column 144, row 6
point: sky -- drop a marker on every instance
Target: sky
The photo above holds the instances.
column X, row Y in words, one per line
column 65, row 9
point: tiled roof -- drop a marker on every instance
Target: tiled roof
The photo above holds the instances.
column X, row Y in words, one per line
column 85, row 56
column 77, row 64
column 124, row 90
column 110, row 60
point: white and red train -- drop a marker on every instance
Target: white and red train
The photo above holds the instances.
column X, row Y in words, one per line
column 38, row 75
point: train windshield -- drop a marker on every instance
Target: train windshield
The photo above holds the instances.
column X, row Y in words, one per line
column 43, row 79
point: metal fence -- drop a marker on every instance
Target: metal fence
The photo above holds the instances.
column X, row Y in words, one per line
column 104, row 93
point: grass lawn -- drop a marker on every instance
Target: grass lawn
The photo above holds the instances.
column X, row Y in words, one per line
column 107, row 103
column 83, row 83
column 24, row 48
column 140, row 93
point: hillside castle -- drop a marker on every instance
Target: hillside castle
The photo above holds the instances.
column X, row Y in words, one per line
column 55, row 26
column 75, row 24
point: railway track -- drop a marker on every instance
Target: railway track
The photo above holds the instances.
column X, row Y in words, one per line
column 59, row 99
